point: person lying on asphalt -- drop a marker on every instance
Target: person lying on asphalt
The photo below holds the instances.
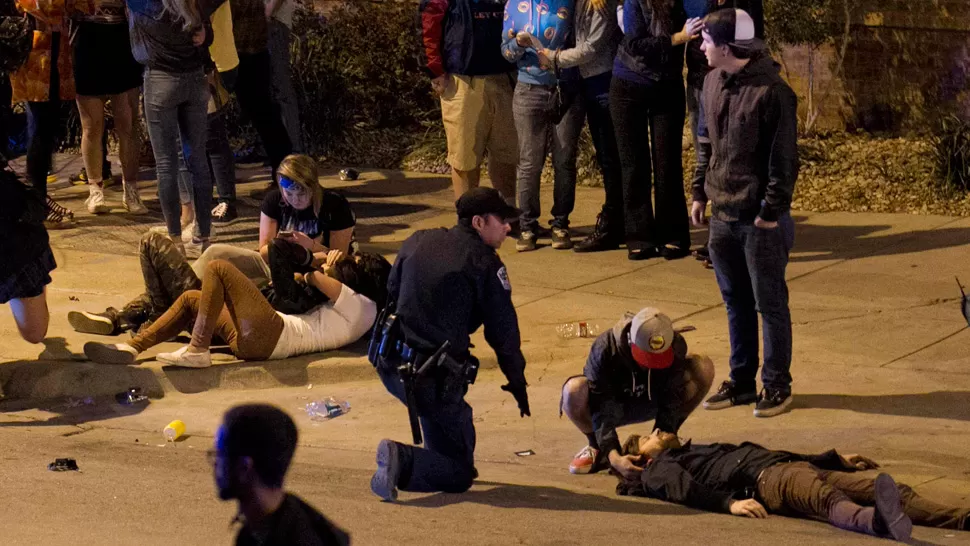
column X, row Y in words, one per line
column 637, row 371
column 751, row 481
column 230, row 306
column 300, row 211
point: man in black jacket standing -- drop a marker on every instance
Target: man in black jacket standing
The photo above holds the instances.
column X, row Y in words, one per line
column 637, row 371
column 751, row 481
column 752, row 123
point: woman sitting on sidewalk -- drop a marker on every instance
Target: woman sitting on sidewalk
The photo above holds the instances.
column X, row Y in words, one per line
column 231, row 307
column 300, row 210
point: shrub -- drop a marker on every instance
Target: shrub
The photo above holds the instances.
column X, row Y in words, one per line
column 951, row 147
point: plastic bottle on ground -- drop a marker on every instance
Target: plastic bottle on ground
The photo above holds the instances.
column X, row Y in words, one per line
column 571, row 330
column 324, row 410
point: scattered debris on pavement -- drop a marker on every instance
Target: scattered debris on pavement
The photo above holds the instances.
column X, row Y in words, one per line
column 131, row 396
column 526, row 453
column 63, row 465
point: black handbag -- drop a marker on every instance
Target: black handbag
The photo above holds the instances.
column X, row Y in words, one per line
column 16, row 41
column 562, row 97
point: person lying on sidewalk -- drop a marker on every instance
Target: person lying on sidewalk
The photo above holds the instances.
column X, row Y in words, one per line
column 300, row 211
column 231, row 307
column 637, row 371
column 751, row 481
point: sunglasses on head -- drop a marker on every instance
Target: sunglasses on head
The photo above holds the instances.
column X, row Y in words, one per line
column 290, row 185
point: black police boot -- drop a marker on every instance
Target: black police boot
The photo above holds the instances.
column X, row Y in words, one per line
column 601, row 239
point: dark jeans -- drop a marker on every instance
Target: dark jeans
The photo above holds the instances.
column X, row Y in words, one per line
column 222, row 167
column 447, row 460
column 593, row 105
column 749, row 264
column 280, row 38
column 800, row 489
column 43, row 119
column 175, row 111
column 649, row 123
column 531, row 107
column 255, row 99
column 698, row 128
column 6, row 117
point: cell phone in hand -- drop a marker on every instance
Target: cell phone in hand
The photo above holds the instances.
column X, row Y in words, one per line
column 285, row 233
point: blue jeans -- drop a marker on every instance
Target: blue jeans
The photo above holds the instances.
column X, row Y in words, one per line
column 698, row 128
column 531, row 108
column 219, row 156
column 175, row 109
column 750, row 263
column 593, row 105
column 447, row 460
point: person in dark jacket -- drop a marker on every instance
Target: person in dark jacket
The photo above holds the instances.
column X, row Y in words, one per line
column 751, row 481
column 697, row 70
column 637, row 371
column 447, row 283
column 647, row 104
column 461, row 52
column 751, row 119
column 253, row 449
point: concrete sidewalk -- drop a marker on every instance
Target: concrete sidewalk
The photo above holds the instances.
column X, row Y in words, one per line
column 881, row 350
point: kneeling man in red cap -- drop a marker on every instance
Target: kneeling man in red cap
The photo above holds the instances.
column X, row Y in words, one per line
column 636, row 372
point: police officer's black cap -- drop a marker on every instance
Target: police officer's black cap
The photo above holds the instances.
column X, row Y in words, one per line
column 485, row 201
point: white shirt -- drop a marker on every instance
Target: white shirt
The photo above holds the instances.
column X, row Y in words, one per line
column 328, row 326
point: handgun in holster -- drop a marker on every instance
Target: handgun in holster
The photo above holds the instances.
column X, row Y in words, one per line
column 410, row 371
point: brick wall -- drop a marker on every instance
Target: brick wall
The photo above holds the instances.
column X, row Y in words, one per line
column 907, row 62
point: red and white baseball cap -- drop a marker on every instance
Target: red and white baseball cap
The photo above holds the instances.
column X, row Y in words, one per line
column 652, row 339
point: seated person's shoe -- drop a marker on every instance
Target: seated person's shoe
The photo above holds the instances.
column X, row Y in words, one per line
column 120, row 354
column 772, row 402
column 730, row 394
column 105, row 324
column 888, row 519
column 587, row 461
column 385, row 479
column 185, row 359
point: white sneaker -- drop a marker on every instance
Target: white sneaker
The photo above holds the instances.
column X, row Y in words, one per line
column 190, row 231
column 110, row 353
column 95, row 201
column 132, row 201
column 185, row 359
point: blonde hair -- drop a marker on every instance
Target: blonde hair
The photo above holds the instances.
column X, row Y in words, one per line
column 596, row 5
column 184, row 11
column 302, row 169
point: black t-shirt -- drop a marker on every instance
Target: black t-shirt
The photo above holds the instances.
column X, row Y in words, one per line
column 295, row 523
column 335, row 215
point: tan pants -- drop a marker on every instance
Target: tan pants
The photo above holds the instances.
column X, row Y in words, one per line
column 477, row 115
column 230, row 306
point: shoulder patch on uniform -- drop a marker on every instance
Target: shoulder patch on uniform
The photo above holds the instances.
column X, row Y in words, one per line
column 503, row 277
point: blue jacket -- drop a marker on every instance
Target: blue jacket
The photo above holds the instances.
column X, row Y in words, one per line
column 551, row 21
column 645, row 57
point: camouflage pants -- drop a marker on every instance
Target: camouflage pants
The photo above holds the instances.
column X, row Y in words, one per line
column 167, row 275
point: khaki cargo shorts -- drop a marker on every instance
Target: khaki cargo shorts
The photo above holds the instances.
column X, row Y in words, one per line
column 477, row 115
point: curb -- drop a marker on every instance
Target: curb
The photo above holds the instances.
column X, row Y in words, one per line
column 44, row 380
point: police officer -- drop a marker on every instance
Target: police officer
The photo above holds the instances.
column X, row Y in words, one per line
column 637, row 371
column 447, row 283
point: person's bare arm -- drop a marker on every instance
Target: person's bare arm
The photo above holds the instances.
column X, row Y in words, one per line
column 268, row 228
column 328, row 286
column 340, row 240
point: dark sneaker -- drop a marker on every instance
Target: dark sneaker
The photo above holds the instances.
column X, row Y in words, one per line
column 561, row 239
column 702, row 254
column 526, row 241
column 730, row 395
column 643, row 253
column 674, row 252
column 105, row 324
column 601, row 238
column 224, row 213
column 772, row 402
column 384, row 481
column 888, row 519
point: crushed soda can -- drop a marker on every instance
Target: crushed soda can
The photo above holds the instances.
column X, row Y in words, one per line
column 62, row 465
column 130, row 396
column 349, row 174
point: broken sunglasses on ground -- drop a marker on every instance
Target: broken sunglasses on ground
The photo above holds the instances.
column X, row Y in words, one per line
column 62, row 465
column 130, row 396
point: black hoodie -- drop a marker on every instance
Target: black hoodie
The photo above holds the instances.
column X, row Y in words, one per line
column 295, row 523
column 615, row 379
column 752, row 121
